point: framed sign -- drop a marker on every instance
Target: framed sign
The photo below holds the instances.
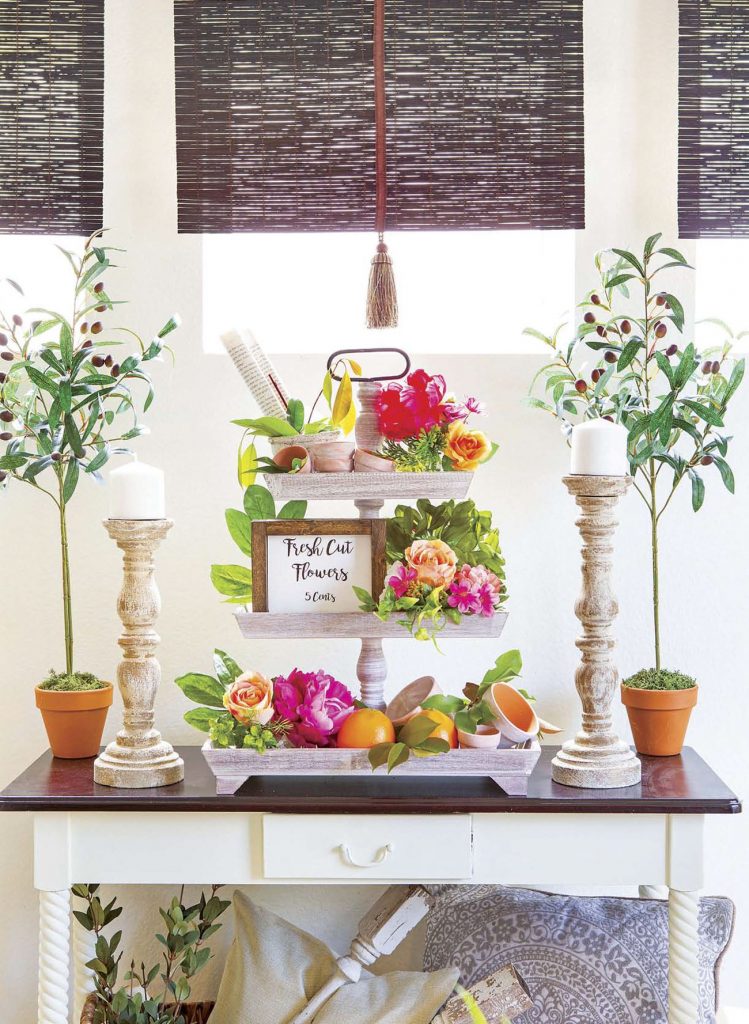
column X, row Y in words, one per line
column 312, row 565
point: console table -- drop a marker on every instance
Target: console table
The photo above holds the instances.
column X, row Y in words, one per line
column 373, row 830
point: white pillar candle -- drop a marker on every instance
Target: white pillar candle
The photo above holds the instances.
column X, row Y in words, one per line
column 136, row 491
column 599, row 448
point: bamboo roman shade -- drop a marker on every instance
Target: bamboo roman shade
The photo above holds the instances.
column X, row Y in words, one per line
column 51, row 116
column 714, row 118
column 275, row 114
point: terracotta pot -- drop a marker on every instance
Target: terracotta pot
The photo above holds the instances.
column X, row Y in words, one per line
column 333, row 457
column 514, row 715
column 407, row 702
column 284, row 457
column 659, row 718
column 74, row 719
column 368, row 462
column 486, row 737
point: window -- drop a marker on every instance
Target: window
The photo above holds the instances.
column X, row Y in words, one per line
column 40, row 269
column 470, row 291
column 722, row 267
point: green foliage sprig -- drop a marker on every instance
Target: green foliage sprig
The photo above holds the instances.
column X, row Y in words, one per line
column 413, row 737
column 470, row 710
column 461, row 525
column 155, row 995
column 646, row 375
column 213, row 718
column 234, row 582
column 420, row 454
column 62, row 391
column 471, row 536
column 341, row 414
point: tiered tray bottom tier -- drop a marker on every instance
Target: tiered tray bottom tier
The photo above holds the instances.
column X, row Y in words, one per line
column 510, row 768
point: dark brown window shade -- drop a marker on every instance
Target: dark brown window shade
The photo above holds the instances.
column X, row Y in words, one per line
column 275, row 114
column 51, row 116
column 714, row 118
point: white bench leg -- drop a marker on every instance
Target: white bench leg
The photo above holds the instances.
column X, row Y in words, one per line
column 54, row 956
column 683, row 950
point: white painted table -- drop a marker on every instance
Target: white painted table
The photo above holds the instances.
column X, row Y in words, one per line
column 326, row 831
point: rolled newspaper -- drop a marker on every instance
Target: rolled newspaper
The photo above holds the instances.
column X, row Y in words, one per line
column 262, row 380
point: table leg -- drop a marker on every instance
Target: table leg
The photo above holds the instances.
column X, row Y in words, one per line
column 54, row 956
column 683, row 951
column 652, row 892
column 83, row 951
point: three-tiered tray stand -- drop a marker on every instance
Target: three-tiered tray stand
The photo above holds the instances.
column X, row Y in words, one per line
column 508, row 767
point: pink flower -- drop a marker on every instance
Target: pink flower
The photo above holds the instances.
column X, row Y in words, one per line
column 454, row 411
column 475, row 407
column 475, row 591
column 401, row 579
column 315, row 703
column 460, row 596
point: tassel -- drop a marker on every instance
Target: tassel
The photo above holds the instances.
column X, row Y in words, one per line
column 382, row 299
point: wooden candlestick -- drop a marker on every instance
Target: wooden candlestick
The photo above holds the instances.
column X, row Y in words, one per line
column 138, row 758
column 596, row 758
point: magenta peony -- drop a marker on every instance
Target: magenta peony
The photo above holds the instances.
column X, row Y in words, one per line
column 315, row 703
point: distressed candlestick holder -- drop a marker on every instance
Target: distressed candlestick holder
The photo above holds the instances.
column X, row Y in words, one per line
column 596, row 758
column 138, row 758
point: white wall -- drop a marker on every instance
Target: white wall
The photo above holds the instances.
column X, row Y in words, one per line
column 631, row 191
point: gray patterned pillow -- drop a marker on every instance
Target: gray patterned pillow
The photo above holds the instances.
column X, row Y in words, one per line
column 586, row 960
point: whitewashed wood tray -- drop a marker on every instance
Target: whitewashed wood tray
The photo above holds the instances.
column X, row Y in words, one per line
column 363, row 625
column 510, row 768
column 350, row 486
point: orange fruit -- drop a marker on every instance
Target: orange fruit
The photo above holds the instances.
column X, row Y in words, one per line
column 366, row 727
column 444, row 726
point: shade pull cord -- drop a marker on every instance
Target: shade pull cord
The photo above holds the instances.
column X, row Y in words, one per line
column 382, row 299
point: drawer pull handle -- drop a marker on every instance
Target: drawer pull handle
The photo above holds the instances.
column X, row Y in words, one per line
column 379, row 857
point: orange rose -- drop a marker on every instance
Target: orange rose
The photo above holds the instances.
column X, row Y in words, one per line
column 433, row 560
column 249, row 699
column 466, row 448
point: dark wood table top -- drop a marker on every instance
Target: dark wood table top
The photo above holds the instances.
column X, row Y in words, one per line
column 670, row 785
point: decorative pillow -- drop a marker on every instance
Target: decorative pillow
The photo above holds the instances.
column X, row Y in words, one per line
column 586, row 960
column 273, row 970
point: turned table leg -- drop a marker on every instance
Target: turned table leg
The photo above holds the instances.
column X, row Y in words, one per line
column 652, row 892
column 83, row 951
column 54, row 956
column 683, row 962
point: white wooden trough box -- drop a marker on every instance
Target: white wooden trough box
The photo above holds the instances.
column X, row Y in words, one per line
column 509, row 767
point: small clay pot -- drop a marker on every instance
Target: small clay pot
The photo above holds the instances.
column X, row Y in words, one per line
column 514, row 715
column 285, row 457
column 486, row 737
column 368, row 462
column 74, row 719
column 333, row 457
column 407, row 702
column 659, row 718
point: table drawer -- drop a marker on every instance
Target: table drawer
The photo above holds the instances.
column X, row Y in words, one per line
column 360, row 846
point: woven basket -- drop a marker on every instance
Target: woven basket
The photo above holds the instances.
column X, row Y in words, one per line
column 194, row 1013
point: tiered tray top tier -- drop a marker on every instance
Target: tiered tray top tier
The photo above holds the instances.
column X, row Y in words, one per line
column 362, row 486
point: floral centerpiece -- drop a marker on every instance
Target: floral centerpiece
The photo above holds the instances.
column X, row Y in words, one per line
column 248, row 710
column 445, row 562
column 426, row 429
